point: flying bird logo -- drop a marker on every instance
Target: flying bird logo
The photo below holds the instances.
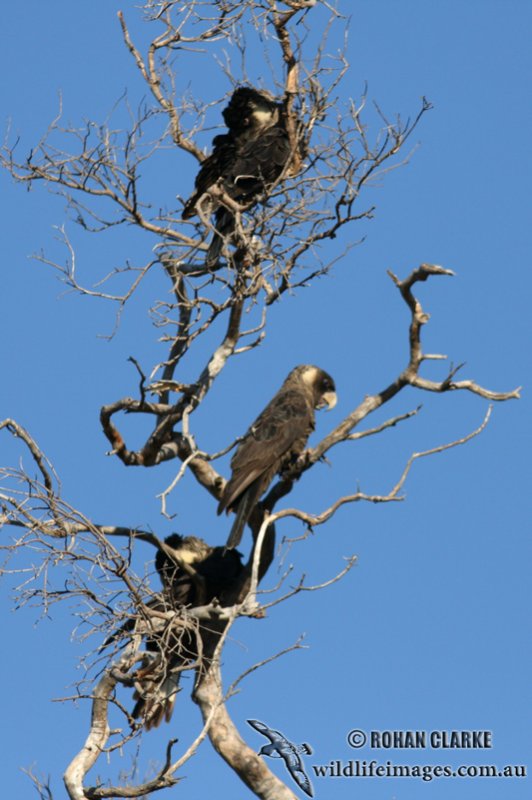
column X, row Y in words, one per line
column 281, row 747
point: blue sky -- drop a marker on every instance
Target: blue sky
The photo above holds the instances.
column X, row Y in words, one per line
column 430, row 631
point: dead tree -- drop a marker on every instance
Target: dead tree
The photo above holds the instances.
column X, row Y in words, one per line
column 277, row 246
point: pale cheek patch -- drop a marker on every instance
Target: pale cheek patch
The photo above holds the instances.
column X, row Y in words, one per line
column 309, row 376
column 188, row 557
column 262, row 116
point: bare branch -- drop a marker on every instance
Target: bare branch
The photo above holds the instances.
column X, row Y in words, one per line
column 390, row 423
column 301, row 587
column 410, row 375
column 231, row 747
column 312, row 520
